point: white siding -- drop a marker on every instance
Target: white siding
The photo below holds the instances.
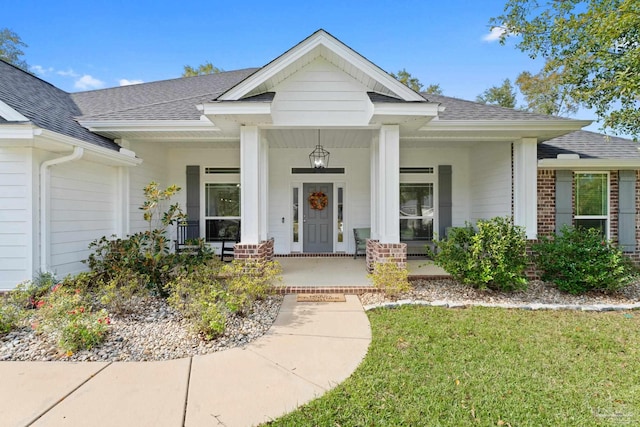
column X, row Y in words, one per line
column 432, row 156
column 15, row 216
column 153, row 168
column 321, row 95
column 82, row 209
column 490, row 180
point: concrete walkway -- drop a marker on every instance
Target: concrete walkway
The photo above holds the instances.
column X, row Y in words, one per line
column 310, row 349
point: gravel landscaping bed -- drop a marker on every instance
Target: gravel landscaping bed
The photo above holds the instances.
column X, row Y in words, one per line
column 537, row 292
column 153, row 331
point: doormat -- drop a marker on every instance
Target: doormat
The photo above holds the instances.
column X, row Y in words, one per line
column 321, row 298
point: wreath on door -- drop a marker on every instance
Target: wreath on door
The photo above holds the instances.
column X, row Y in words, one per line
column 318, row 200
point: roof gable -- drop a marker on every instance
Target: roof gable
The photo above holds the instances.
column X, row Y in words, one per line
column 321, row 44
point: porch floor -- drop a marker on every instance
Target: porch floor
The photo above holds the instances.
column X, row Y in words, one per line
column 315, row 272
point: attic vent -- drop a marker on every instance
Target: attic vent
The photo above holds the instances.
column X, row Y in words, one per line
column 416, row 170
column 568, row 156
column 221, row 170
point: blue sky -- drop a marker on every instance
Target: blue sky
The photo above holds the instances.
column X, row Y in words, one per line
column 83, row 45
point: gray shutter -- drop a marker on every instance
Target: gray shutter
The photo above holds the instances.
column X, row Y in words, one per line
column 193, row 193
column 444, row 199
column 564, row 197
column 627, row 210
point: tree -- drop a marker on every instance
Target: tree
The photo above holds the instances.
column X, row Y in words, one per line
column 206, row 68
column 545, row 94
column 407, row 79
column 11, row 49
column 504, row 95
column 433, row 89
column 593, row 46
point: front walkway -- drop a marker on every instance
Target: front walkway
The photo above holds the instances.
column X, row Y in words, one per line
column 310, row 349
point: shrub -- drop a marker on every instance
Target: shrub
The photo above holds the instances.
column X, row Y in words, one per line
column 579, row 260
column 65, row 316
column 492, row 257
column 117, row 293
column 391, row 278
column 10, row 314
column 247, row 281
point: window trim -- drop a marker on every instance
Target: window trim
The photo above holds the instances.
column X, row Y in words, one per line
column 421, row 180
column 606, row 217
column 217, row 218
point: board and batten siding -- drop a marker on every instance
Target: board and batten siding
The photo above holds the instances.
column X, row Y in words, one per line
column 16, row 216
column 318, row 95
column 490, row 180
column 82, row 208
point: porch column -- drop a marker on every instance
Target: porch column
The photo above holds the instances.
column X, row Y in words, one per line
column 387, row 203
column 253, row 186
column 525, row 185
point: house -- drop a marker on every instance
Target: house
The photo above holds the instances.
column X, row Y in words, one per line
column 406, row 165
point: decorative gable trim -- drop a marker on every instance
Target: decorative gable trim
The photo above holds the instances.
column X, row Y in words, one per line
column 318, row 40
column 10, row 114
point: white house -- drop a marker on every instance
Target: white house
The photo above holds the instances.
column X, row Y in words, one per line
column 406, row 165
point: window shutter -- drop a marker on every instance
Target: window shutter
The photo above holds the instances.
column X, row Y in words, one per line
column 444, row 199
column 627, row 210
column 193, row 193
column 564, row 196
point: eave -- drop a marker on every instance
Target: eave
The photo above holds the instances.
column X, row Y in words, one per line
column 590, row 164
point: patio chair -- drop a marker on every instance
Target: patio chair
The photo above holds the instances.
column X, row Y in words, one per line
column 361, row 235
column 228, row 242
column 186, row 233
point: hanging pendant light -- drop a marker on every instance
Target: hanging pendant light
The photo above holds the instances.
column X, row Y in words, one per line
column 319, row 157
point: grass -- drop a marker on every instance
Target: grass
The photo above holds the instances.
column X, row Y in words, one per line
column 430, row 366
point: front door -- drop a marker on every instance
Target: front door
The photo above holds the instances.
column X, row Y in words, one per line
column 318, row 218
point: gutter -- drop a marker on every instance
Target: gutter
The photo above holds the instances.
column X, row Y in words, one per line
column 78, row 152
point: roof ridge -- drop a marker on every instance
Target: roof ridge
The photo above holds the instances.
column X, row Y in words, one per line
column 33, row 75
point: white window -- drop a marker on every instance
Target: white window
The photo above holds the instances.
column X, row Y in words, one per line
column 222, row 211
column 591, row 201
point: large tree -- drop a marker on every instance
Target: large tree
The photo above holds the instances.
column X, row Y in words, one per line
column 545, row 94
column 503, row 95
column 592, row 46
column 405, row 77
column 433, row 89
column 11, row 46
column 206, row 68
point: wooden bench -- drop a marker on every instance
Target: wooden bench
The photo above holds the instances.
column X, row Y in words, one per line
column 361, row 235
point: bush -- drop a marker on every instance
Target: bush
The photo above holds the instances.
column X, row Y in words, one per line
column 492, row 257
column 10, row 314
column 579, row 260
column 247, row 281
column 65, row 315
column 391, row 278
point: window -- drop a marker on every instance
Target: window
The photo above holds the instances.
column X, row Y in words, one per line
column 592, row 201
column 340, row 218
column 416, row 212
column 296, row 227
column 222, row 211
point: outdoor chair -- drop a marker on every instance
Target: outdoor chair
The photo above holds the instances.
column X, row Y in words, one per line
column 186, row 234
column 228, row 241
column 361, row 235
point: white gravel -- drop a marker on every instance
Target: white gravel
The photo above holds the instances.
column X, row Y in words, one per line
column 153, row 332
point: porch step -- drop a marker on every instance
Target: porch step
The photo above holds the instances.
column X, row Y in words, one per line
column 347, row 290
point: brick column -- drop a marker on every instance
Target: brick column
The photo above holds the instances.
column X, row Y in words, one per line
column 385, row 252
column 262, row 251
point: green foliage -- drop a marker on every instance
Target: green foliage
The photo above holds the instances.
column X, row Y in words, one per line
column 407, row 79
column 210, row 292
column 117, row 293
column 434, row 89
column 65, row 316
column 10, row 314
column 27, row 294
column 592, row 48
column 202, row 69
column 546, row 94
column 11, row 46
column 579, row 260
column 390, row 277
column 492, row 257
column 504, row 95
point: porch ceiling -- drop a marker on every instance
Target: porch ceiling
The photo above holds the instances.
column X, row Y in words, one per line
column 329, row 138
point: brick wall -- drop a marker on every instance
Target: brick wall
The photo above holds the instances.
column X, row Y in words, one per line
column 385, row 252
column 262, row 251
column 613, row 205
column 546, row 202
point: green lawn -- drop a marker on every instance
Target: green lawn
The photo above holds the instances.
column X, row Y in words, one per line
column 431, row 366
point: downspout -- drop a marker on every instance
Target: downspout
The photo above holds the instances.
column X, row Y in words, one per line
column 44, row 202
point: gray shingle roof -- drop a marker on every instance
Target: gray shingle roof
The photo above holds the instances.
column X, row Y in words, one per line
column 44, row 105
column 459, row 109
column 589, row 145
column 174, row 99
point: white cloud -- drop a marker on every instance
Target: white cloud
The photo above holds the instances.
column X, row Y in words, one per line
column 87, row 82
column 67, row 73
column 39, row 69
column 494, row 35
column 127, row 82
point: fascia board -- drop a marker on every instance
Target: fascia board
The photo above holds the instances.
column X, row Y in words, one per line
column 10, row 114
column 147, row 125
column 589, row 164
column 497, row 125
column 237, row 108
column 306, row 46
column 18, row 131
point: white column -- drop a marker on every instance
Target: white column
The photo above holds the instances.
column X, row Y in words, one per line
column 250, row 158
column 388, row 184
column 121, row 205
column 525, row 185
column 375, row 234
column 263, row 180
